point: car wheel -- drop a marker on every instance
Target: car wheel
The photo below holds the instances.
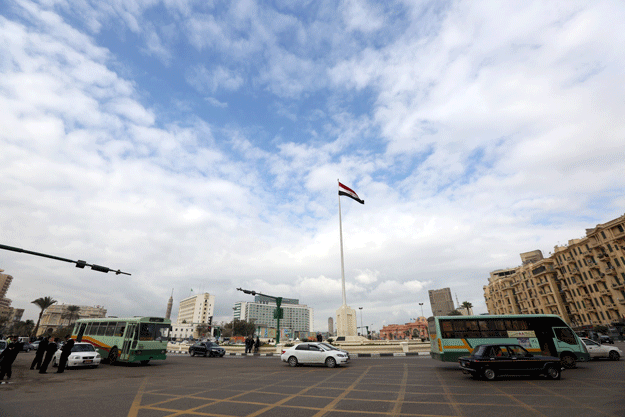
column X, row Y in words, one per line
column 192, row 352
column 113, row 356
column 293, row 361
column 614, row 356
column 330, row 362
column 207, row 354
column 568, row 361
column 489, row 374
column 553, row 372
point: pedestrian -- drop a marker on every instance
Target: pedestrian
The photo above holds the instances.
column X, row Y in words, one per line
column 66, row 350
column 257, row 345
column 50, row 351
column 41, row 351
column 247, row 345
column 7, row 357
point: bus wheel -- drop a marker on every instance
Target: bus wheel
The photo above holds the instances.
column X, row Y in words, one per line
column 489, row 374
column 113, row 356
column 568, row 361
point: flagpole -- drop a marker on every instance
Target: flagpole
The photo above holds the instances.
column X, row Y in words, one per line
column 342, row 261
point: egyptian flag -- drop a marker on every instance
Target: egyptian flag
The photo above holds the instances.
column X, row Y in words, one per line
column 343, row 190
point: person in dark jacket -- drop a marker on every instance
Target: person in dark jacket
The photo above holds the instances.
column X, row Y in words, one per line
column 66, row 350
column 41, row 351
column 50, row 351
column 257, row 345
column 7, row 357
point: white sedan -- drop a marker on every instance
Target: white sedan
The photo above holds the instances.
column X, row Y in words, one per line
column 314, row 353
column 83, row 354
column 597, row 350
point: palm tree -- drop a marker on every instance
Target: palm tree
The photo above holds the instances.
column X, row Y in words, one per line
column 467, row 305
column 42, row 303
column 70, row 313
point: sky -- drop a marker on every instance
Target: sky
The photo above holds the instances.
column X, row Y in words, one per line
column 197, row 146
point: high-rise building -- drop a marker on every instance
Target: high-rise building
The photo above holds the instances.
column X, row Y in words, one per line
column 5, row 283
column 194, row 311
column 441, row 301
column 583, row 282
column 297, row 317
column 57, row 316
column 170, row 304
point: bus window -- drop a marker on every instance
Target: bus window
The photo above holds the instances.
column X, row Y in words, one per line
column 101, row 329
column 80, row 332
column 110, row 329
column 88, row 329
column 446, row 329
column 565, row 334
column 432, row 328
column 120, row 328
column 146, row 331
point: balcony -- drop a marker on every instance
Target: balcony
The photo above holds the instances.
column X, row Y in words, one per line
column 600, row 277
column 610, row 306
column 610, row 271
column 621, row 301
column 618, row 285
column 593, row 265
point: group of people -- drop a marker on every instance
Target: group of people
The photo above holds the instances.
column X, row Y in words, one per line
column 43, row 356
column 250, row 344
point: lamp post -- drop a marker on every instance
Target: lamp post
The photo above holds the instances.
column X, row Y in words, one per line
column 360, row 308
column 278, row 312
column 421, row 304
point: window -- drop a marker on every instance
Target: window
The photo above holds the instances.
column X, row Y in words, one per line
column 566, row 335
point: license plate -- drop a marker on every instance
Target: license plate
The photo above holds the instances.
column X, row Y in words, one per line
column 87, row 361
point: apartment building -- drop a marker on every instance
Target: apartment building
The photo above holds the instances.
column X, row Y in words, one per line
column 583, row 282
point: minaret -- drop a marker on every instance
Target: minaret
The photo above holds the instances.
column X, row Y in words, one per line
column 170, row 304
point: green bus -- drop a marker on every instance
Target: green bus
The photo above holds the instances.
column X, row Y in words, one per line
column 454, row 336
column 136, row 339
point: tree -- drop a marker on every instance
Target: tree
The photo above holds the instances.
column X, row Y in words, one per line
column 467, row 306
column 22, row 328
column 70, row 313
column 238, row 328
column 454, row 313
column 42, row 303
column 202, row 329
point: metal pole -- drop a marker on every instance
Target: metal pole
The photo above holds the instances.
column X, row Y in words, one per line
column 360, row 308
column 342, row 261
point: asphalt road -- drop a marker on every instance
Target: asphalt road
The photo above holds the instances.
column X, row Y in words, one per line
column 265, row 386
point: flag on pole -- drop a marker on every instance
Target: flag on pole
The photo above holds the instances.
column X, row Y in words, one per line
column 343, row 190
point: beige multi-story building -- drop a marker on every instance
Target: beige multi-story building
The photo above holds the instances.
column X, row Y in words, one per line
column 583, row 282
column 192, row 312
column 56, row 316
column 6, row 311
column 441, row 301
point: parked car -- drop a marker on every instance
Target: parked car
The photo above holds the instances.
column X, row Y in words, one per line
column 314, row 353
column 27, row 347
column 605, row 339
column 35, row 344
column 597, row 350
column 207, row 349
column 490, row 361
column 83, row 354
column 3, row 345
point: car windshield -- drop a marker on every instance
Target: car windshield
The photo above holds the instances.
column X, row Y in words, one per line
column 328, row 346
column 83, row 348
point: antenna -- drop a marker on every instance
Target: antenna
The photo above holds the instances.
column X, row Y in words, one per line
column 457, row 302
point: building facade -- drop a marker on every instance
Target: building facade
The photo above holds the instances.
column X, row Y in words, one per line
column 441, row 301
column 194, row 311
column 583, row 282
column 6, row 311
column 414, row 330
column 56, row 316
column 296, row 317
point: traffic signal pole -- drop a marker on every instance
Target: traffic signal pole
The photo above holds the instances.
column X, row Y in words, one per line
column 278, row 312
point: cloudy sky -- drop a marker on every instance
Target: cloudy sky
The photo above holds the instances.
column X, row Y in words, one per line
column 197, row 145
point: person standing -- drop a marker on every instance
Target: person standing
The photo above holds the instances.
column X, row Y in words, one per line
column 66, row 350
column 257, row 345
column 50, row 351
column 41, row 351
column 7, row 357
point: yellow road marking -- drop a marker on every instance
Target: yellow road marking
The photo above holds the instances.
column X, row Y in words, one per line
column 334, row 402
column 136, row 403
column 396, row 411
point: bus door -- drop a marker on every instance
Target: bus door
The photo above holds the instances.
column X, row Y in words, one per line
column 81, row 332
column 545, row 341
column 129, row 340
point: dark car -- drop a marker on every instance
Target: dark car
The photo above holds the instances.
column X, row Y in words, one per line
column 490, row 361
column 605, row 339
column 207, row 349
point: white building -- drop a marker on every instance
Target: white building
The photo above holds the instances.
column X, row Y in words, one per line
column 193, row 311
column 297, row 317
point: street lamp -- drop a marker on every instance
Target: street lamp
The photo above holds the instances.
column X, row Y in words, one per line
column 360, row 308
column 421, row 304
column 278, row 312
